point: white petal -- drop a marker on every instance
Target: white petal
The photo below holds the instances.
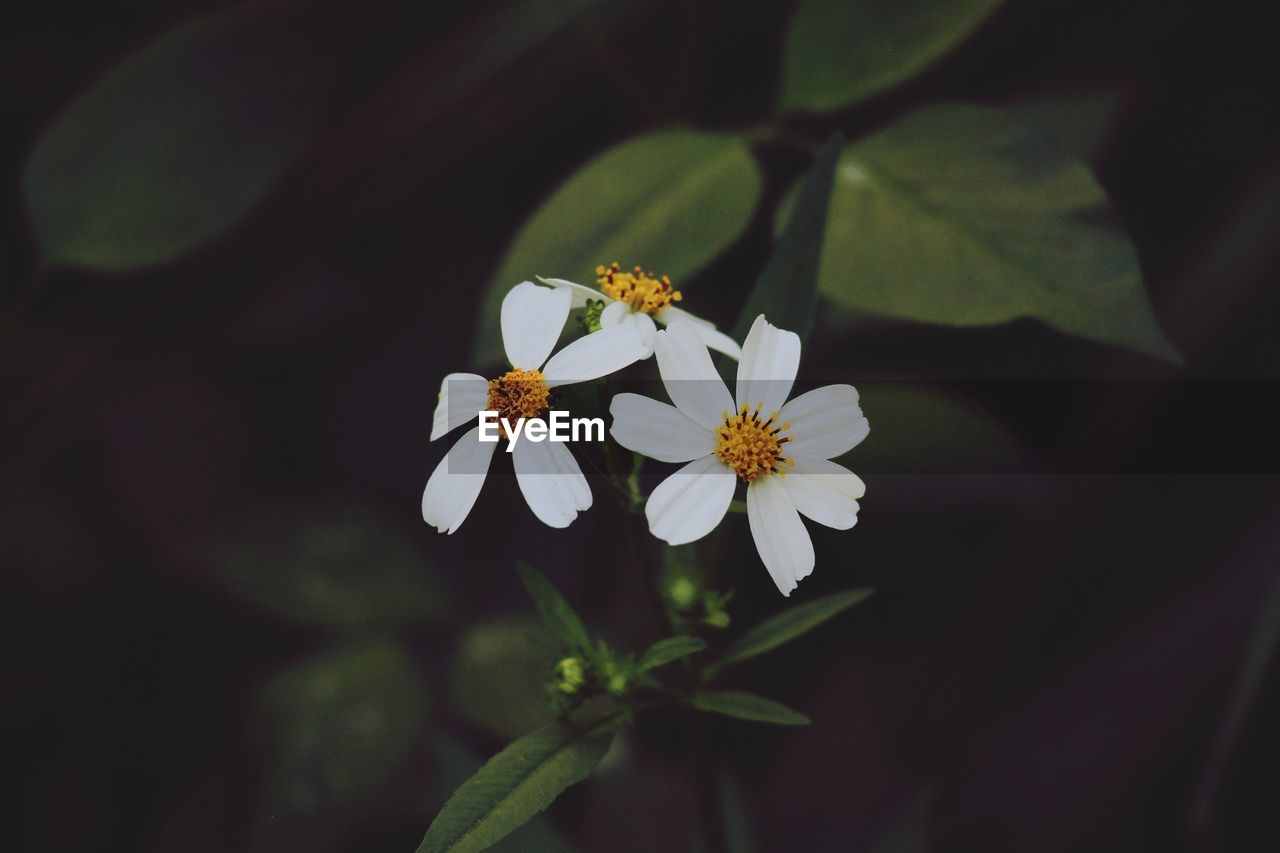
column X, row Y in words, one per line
column 579, row 293
column 464, row 401
column 783, row 543
column 643, row 324
column 595, row 355
column 532, row 319
column 613, row 314
column 690, row 503
column 657, row 430
column 455, row 484
column 825, row 422
column 551, row 481
column 715, row 339
column 770, row 359
column 824, row 491
column 689, row 377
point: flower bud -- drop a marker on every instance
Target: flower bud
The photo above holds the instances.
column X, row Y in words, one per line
column 570, row 676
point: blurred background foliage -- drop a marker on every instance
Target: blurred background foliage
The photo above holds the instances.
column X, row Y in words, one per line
column 244, row 243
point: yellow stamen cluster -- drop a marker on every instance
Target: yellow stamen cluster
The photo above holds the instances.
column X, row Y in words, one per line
column 518, row 394
column 751, row 445
column 637, row 288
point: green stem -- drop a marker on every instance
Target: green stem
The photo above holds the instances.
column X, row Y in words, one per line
column 738, row 506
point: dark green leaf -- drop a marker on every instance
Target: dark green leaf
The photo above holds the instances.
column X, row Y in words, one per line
column 519, row 782
column 839, row 52
column 672, row 648
column 791, row 623
column 455, row 765
column 747, row 706
column 961, row 216
column 669, row 201
column 787, row 291
column 555, row 611
column 174, row 145
column 325, row 563
column 335, row 731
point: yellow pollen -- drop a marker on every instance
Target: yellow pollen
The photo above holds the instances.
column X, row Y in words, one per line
column 637, row 288
column 751, row 445
column 518, row 394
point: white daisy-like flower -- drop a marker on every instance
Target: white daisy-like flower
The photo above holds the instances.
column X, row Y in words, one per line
column 637, row 298
column 548, row 475
column 781, row 450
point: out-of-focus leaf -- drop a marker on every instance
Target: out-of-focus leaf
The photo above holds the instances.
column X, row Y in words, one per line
column 921, row 430
column 961, row 216
column 791, row 623
column 519, row 782
column 173, row 146
column 839, row 52
column 335, row 730
column 670, row 201
column 787, row 291
column 747, row 706
column 455, row 765
column 498, row 679
column 1081, row 119
column 672, row 648
column 555, row 611
column 328, row 564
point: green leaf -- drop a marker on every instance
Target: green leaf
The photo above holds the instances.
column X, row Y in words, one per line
column 176, row 144
column 455, row 765
column 839, row 52
column 747, row 706
column 672, row 648
column 325, row 563
column 519, row 782
column 334, row 731
column 555, row 611
column 670, row 201
column 791, row 623
column 959, row 215
column 787, row 291
column 498, row 677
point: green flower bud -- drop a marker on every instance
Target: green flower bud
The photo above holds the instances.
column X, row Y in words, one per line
column 682, row 592
column 618, row 684
column 590, row 319
column 570, row 675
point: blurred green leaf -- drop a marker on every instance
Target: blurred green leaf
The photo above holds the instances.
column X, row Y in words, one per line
column 455, row 765
column 959, row 215
column 519, row 782
column 555, row 611
column 789, row 624
column 1082, row 119
column 670, row 201
column 672, row 648
column 787, row 290
column 335, row 730
column 326, row 563
column 839, row 52
column 174, row 145
column 747, row 706
column 923, row 430
column 499, row 676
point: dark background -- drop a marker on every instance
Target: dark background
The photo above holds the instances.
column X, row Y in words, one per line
column 1057, row 655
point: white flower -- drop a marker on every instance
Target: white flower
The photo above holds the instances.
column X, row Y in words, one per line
column 637, row 298
column 548, row 475
column 782, row 452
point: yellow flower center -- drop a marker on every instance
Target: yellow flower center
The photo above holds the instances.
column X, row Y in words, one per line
column 518, row 394
column 752, row 446
column 637, row 288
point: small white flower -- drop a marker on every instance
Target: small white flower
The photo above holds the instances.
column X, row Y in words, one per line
column 637, row 298
column 548, row 475
column 782, row 452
